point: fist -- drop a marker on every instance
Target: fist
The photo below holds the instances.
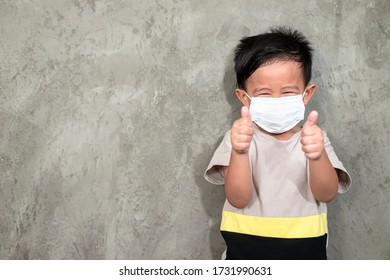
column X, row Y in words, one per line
column 242, row 132
column 311, row 137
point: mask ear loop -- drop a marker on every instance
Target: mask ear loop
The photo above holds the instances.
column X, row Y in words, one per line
column 248, row 96
column 303, row 96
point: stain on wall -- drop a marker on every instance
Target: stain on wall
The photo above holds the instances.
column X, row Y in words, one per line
column 111, row 110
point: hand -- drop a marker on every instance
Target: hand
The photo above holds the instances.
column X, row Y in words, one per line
column 311, row 137
column 242, row 132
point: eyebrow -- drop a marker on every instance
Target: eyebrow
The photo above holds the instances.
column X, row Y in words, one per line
column 283, row 88
column 290, row 87
column 260, row 89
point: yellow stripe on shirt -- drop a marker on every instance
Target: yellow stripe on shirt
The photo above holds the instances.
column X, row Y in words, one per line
column 291, row 227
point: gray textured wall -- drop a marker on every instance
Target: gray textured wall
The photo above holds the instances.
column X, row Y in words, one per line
column 111, row 110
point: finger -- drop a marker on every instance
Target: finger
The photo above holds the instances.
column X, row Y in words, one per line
column 243, row 139
column 313, row 156
column 311, row 119
column 245, row 112
column 243, row 126
column 312, row 148
column 308, row 140
column 242, row 147
column 308, row 131
column 245, row 130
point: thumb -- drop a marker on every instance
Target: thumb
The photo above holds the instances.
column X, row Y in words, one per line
column 245, row 112
column 311, row 119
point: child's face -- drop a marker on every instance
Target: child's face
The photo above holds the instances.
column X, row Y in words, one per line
column 278, row 79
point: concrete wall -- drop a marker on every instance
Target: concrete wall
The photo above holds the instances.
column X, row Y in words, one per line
column 111, row 110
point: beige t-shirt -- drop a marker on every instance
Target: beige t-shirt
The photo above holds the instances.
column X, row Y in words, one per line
column 280, row 176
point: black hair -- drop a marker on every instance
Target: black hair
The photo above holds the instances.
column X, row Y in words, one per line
column 279, row 43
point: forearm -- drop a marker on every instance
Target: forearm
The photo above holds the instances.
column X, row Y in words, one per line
column 238, row 180
column 323, row 178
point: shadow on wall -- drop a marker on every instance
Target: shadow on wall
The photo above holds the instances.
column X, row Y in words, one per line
column 213, row 197
column 322, row 102
column 229, row 86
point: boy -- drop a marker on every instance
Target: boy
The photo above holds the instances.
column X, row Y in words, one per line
column 278, row 176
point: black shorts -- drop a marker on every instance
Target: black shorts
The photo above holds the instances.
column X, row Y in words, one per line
column 249, row 247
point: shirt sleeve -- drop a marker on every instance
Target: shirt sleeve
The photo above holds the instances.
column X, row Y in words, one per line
column 345, row 180
column 221, row 158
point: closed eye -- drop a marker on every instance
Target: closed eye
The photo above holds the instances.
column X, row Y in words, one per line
column 263, row 94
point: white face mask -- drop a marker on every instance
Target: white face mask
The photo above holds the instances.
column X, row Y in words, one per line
column 277, row 115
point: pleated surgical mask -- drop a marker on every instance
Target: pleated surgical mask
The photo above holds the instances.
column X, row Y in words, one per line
column 277, row 115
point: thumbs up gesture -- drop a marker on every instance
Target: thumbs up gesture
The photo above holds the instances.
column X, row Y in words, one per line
column 242, row 132
column 311, row 137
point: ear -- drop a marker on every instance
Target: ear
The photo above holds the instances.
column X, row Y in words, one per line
column 310, row 89
column 242, row 97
